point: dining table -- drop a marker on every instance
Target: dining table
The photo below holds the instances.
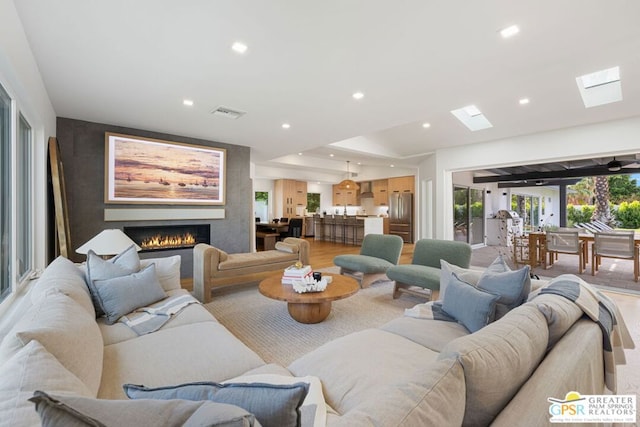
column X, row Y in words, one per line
column 275, row 227
column 537, row 245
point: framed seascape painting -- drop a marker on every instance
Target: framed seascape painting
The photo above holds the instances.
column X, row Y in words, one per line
column 149, row 171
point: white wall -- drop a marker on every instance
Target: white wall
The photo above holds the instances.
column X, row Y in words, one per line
column 597, row 140
column 20, row 77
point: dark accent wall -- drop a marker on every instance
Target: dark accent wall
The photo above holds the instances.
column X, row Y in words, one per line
column 82, row 147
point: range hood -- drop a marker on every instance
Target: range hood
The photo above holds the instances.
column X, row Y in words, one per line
column 365, row 190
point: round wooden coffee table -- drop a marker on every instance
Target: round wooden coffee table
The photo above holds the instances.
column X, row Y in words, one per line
column 310, row 307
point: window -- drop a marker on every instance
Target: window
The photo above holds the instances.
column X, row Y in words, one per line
column 24, row 191
column 5, row 194
column 468, row 215
column 261, row 206
column 313, row 202
column 528, row 207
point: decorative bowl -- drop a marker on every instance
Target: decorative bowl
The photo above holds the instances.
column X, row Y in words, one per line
column 309, row 285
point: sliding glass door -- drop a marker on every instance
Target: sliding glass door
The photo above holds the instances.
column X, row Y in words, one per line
column 468, row 214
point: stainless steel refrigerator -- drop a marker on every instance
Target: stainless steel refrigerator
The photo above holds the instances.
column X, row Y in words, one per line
column 401, row 215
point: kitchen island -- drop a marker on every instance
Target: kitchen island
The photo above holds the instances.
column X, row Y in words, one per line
column 349, row 229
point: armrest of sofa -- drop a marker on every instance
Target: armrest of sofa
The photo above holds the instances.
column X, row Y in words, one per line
column 303, row 248
column 206, row 259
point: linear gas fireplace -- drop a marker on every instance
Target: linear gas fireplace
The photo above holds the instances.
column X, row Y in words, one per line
column 165, row 237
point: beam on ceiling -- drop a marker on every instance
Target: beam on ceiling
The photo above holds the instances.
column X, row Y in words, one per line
column 544, row 184
column 570, row 173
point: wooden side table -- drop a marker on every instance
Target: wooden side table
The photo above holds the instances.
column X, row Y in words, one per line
column 310, row 307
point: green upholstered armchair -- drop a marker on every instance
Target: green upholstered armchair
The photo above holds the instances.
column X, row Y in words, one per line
column 424, row 270
column 377, row 254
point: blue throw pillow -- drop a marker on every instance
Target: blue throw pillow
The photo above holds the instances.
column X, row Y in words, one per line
column 122, row 295
column 123, row 264
column 274, row 405
column 513, row 286
column 470, row 306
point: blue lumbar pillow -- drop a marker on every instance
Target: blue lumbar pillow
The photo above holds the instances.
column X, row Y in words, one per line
column 470, row 306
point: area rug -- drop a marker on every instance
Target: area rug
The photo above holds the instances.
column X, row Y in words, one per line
column 265, row 326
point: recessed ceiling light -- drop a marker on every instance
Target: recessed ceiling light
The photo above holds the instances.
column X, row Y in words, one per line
column 299, row 154
column 359, row 163
column 524, row 101
column 426, row 125
column 286, row 126
column 392, row 166
column 239, row 47
column 187, row 102
column 331, row 155
column 358, row 95
column 509, row 31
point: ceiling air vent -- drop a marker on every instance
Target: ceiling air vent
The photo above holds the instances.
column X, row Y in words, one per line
column 229, row 113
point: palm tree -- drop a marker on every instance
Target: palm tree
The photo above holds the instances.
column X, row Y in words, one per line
column 602, row 211
column 582, row 192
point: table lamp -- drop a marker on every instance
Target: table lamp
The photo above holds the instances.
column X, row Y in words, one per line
column 108, row 243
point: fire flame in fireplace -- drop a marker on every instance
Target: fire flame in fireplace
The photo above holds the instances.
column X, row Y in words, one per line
column 161, row 242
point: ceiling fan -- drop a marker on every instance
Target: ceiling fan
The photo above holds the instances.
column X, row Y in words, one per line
column 616, row 165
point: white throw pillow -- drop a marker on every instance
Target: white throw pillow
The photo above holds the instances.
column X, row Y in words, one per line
column 167, row 270
column 33, row 368
column 313, row 409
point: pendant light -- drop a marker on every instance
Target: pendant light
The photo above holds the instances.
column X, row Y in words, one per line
column 348, row 184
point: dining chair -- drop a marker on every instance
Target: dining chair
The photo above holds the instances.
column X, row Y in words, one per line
column 565, row 242
column 615, row 244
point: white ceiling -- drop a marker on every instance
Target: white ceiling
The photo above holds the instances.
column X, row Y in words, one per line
column 131, row 63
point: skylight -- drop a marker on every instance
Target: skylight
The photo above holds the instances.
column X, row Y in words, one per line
column 601, row 87
column 472, row 118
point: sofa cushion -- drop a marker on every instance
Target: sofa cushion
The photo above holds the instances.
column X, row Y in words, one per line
column 313, row 411
column 274, row 405
column 472, row 307
column 63, row 276
column 498, row 359
column 434, row 397
column 167, row 270
column 159, row 358
column 70, row 411
column 358, row 367
column 513, row 286
column 415, row 275
column 433, row 334
column 33, row 368
column 193, row 313
column 67, row 331
column 121, row 295
column 363, row 263
column 243, row 260
column 123, row 264
column 465, row 274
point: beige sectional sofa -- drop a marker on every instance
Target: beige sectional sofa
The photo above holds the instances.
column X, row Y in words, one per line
column 212, row 265
column 409, row 372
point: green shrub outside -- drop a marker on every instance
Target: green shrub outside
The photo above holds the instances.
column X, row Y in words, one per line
column 628, row 214
column 579, row 214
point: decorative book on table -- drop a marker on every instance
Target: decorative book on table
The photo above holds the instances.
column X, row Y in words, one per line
column 296, row 273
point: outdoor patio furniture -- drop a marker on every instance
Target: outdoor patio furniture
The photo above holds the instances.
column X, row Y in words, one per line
column 566, row 242
column 615, row 244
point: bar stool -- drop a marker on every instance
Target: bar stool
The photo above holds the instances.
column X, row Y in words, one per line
column 329, row 229
column 350, row 229
column 339, row 230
